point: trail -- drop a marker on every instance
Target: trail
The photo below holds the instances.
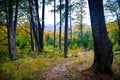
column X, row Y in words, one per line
column 61, row 70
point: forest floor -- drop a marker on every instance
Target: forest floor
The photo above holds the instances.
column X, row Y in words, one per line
column 76, row 69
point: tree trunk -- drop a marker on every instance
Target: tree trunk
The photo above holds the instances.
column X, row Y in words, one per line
column 81, row 26
column 66, row 30
column 31, row 36
column 16, row 15
column 119, row 22
column 70, row 31
column 11, row 33
column 43, row 23
column 54, row 23
column 16, row 19
column 103, row 54
column 33, row 26
column 6, row 11
column 60, row 27
column 38, row 25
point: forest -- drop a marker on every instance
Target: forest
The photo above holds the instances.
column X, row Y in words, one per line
column 59, row 39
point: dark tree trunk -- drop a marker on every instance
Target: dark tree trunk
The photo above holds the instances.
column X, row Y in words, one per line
column 11, row 33
column 70, row 30
column 66, row 30
column 38, row 28
column 119, row 22
column 6, row 11
column 103, row 56
column 16, row 19
column 43, row 22
column 81, row 25
column 31, row 36
column 33, row 25
column 54, row 23
column 16, row 14
column 60, row 27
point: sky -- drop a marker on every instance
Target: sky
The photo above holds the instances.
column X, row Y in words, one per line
column 49, row 17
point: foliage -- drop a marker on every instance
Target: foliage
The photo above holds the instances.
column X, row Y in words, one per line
column 87, row 40
column 49, row 40
column 113, row 32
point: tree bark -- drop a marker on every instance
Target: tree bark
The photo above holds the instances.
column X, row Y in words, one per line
column 16, row 15
column 70, row 30
column 33, row 26
column 54, row 23
column 31, row 36
column 103, row 54
column 6, row 11
column 39, row 29
column 81, row 25
column 43, row 22
column 66, row 30
column 60, row 26
column 118, row 17
column 11, row 33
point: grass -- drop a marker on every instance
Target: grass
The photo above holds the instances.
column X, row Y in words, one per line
column 30, row 66
column 116, row 64
column 78, row 62
column 24, row 68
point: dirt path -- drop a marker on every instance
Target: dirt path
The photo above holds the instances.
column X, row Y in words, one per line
column 61, row 70
column 58, row 71
column 64, row 71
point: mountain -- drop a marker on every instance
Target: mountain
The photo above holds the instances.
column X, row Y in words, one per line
column 50, row 27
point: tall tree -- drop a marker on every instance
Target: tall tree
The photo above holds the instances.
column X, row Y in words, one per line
column 32, row 32
column 35, row 23
column 60, row 25
column 66, row 29
column 80, row 4
column 38, row 27
column 54, row 23
column 70, row 30
column 119, row 20
column 43, row 20
column 70, row 18
column 103, row 54
column 113, row 7
column 11, row 21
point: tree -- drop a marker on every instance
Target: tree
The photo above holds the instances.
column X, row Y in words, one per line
column 66, row 30
column 60, row 25
column 70, row 28
column 11, row 21
column 80, row 4
column 43, row 22
column 35, row 24
column 103, row 54
column 54, row 23
column 119, row 20
column 113, row 7
column 70, row 21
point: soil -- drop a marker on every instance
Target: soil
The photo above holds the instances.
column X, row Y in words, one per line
column 64, row 71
